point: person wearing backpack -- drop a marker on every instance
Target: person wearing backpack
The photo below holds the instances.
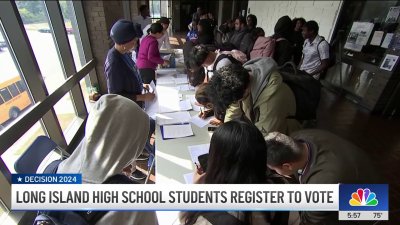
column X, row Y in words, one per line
column 283, row 32
column 257, row 92
column 315, row 60
column 108, row 148
column 238, row 163
column 213, row 60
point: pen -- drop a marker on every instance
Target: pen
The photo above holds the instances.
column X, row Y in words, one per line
column 197, row 166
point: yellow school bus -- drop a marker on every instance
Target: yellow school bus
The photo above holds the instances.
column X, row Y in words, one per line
column 13, row 98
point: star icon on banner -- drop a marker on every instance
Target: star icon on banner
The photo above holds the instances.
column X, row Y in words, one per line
column 19, row 179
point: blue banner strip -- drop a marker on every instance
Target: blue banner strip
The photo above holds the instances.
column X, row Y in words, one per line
column 46, row 179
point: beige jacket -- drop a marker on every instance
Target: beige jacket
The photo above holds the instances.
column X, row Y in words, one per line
column 271, row 101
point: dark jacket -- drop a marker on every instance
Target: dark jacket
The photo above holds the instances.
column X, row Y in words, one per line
column 237, row 37
column 206, row 36
column 298, row 42
column 333, row 160
column 122, row 75
column 283, row 34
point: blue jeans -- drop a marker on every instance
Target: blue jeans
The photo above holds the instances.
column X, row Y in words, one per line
column 151, row 149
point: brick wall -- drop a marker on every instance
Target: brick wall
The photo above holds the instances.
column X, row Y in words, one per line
column 268, row 13
column 100, row 16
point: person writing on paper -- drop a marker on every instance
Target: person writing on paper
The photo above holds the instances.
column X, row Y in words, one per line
column 149, row 54
column 108, row 149
column 121, row 73
column 255, row 91
column 204, row 101
column 319, row 157
column 237, row 156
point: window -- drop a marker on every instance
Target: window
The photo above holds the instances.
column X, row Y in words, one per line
column 10, row 75
column 71, row 26
column 14, row 152
column 13, row 89
column 3, row 212
column 21, row 86
column 35, row 18
column 5, row 94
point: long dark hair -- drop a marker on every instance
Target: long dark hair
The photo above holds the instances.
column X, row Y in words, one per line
column 237, row 156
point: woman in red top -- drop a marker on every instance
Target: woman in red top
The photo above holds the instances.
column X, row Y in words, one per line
column 149, row 54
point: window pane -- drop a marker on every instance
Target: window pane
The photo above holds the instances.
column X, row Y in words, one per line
column 15, row 151
column 21, row 86
column 5, row 94
column 11, row 106
column 40, row 34
column 85, row 86
column 71, row 26
column 3, row 212
column 13, row 89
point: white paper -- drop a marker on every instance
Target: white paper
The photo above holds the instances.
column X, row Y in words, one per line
column 165, row 80
column 173, row 118
column 166, row 57
column 389, row 62
column 168, row 99
column 387, row 40
column 185, row 87
column 358, row 35
column 166, row 71
column 177, row 131
column 377, row 38
column 197, row 150
column 193, row 102
column 181, row 75
column 181, row 80
column 151, row 107
column 196, row 120
column 393, row 14
column 185, row 105
column 188, row 178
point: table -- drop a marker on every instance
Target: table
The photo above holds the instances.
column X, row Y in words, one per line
column 172, row 156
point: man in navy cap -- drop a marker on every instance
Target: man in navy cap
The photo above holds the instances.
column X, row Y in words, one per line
column 122, row 74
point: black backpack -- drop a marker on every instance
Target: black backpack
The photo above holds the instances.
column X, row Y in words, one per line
column 307, row 92
column 332, row 54
column 75, row 217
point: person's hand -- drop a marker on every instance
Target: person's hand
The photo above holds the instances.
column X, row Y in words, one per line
column 216, row 122
column 148, row 97
column 202, row 114
column 199, row 175
column 166, row 63
column 127, row 171
column 146, row 87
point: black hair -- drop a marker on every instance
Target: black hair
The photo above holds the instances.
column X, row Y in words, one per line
column 202, row 95
column 253, row 18
column 198, row 56
column 279, row 152
column 143, row 7
column 232, row 147
column 241, row 19
column 164, row 20
column 301, row 19
column 196, row 76
column 156, row 28
column 312, row 26
column 237, row 156
column 228, row 85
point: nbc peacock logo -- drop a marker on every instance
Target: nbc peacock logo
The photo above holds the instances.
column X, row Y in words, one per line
column 363, row 197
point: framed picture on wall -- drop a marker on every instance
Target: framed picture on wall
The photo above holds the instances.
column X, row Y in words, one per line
column 389, row 62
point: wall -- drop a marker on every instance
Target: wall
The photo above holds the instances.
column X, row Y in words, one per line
column 100, row 16
column 268, row 13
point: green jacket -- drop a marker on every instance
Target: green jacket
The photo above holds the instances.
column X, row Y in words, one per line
column 333, row 160
column 271, row 101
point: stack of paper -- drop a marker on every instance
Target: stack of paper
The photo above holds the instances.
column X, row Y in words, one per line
column 185, row 105
column 166, row 71
column 168, row 99
column 197, row 150
column 176, row 131
column 165, row 80
column 173, row 118
column 193, row 102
